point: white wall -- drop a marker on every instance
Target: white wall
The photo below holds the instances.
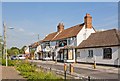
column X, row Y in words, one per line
column 98, row 53
column 84, row 34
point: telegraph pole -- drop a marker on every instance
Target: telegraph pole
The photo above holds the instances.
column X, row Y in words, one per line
column 38, row 37
column 5, row 44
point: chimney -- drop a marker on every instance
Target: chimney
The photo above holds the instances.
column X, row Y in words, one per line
column 60, row 27
column 88, row 21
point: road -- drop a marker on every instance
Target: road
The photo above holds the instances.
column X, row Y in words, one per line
column 82, row 71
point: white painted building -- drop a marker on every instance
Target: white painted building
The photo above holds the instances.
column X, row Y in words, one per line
column 37, row 55
column 27, row 51
column 69, row 37
column 102, row 47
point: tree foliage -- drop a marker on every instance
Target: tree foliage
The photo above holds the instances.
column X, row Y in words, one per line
column 16, row 50
column 13, row 51
column 22, row 50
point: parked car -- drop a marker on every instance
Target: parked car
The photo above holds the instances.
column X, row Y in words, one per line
column 21, row 57
column 14, row 57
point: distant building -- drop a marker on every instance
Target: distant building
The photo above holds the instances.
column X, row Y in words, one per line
column 36, row 48
column 27, row 50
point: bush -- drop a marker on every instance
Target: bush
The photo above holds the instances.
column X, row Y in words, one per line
column 10, row 62
column 3, row 62
column 25, row 67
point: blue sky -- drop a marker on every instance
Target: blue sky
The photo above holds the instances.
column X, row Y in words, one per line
column 32, row 18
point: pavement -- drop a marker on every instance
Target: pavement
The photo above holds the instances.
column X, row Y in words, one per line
column 11, row 74
column 101, row 68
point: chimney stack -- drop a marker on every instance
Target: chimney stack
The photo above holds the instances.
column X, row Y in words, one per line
column 60, row 27
column 88, row 21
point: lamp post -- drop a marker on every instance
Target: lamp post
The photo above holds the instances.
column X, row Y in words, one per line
column 5, row 42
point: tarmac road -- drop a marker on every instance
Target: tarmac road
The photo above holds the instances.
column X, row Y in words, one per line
column 82, row 71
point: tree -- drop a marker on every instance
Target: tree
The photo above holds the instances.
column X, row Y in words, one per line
column 13, row 51
column 22, row 50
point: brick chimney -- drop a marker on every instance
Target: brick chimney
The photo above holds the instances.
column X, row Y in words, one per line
column 60, row 27
column 88, row 21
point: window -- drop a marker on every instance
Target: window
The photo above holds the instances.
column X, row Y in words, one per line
column 47, row 44
column 90, row 53
column 68, row 41
column 73, row 38
column 107, row 53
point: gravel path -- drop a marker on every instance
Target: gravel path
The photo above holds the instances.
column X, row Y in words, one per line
column 11, row 74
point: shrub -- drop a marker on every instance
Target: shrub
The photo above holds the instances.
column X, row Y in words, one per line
column 26, row 67
column 10, row 62
column 28, row 71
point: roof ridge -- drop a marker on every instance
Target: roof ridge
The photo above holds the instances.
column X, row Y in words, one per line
column 74, row 26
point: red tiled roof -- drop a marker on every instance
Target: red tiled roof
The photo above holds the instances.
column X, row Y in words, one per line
column 50, row 36
column 101, row 39
column 70, row 32
column 35, row 44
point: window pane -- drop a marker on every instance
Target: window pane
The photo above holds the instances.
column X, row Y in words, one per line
column 90, row 53
column 107, row 53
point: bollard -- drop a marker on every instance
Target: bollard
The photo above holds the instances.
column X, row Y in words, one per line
column 65, row 69
column 50, row 69
column 88, row 78
column 94, row 66
column 71, row 68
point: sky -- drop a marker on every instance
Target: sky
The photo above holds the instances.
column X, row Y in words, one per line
column 32, row 18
